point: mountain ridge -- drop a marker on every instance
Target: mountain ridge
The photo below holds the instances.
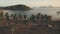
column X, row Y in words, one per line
column 16, row 7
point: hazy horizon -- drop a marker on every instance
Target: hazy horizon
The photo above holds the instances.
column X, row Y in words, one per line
column 31, row 3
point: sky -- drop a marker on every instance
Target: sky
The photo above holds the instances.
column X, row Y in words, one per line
column 31, row 3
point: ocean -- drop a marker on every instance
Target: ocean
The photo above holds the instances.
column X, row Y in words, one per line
column 49, row 11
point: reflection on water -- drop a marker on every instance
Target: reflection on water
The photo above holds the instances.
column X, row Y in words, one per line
column 28, row 13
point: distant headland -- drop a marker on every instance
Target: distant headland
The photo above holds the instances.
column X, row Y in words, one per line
column 16, row 7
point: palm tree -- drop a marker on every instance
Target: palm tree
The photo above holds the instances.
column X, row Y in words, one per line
column 38, row 16
column 1, row 15
column 42, row 17
column 7, row 16
column 32, row 18
column 15, row 18
column 25, row 17
column 45, row 17
column 19, row 16
column 11, row 17
column 50, row 18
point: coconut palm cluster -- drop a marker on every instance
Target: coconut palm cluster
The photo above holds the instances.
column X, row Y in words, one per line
column 21, row 24
column 17, row 18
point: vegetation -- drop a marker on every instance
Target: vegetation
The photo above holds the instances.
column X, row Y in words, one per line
column 16, row 7
column 36, row 24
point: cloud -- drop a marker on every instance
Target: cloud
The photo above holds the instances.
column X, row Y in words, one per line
column 31, row 2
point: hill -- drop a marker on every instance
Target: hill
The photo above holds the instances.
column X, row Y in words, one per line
column 16, row 7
